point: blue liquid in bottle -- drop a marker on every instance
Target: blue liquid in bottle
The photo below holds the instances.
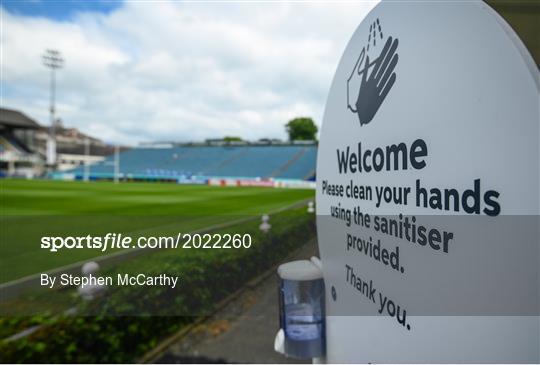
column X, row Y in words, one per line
column 303, row 318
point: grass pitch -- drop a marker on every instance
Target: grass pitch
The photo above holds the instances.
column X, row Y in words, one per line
column 32, row 209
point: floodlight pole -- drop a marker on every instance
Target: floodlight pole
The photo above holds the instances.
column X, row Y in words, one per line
column 53, row 60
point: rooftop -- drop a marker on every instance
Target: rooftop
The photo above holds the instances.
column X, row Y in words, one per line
column 16, row 119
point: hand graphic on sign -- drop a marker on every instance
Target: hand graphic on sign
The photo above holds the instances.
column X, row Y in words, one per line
column 374, row 87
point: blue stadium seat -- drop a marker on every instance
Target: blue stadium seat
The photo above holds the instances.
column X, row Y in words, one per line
column 290, row 162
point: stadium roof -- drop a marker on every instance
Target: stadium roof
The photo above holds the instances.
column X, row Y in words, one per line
column 16, row 119
column 93, row 150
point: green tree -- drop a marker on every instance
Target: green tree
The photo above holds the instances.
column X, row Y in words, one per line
column 232, row 139
column 301, row 129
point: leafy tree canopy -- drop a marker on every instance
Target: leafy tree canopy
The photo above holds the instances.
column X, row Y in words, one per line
column 302, row 129
column 232, row 139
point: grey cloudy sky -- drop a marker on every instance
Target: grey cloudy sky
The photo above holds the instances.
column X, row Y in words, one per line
column 179, row 71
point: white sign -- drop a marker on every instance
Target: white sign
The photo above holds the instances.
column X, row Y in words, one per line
column 428, row 190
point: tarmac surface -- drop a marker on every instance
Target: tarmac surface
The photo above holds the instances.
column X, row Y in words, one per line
column 241, row 332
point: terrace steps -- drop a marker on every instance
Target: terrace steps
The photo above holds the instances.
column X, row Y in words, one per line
column 289, row 163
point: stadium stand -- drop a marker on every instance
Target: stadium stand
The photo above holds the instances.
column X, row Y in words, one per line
column 295, row 162
column 23, row 146
column 22, row 150
column 17, row 155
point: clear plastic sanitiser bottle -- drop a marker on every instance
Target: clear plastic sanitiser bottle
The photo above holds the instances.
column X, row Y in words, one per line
column 302, row 317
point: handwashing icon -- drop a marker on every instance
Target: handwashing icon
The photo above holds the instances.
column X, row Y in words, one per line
column 371, row 80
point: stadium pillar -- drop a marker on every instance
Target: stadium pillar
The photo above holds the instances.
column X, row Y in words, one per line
column 86, row 162
column 116, row 164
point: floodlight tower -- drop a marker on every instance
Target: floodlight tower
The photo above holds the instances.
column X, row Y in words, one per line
column 53, row 60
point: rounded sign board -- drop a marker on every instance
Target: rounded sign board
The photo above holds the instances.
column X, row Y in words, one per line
column 428, row 190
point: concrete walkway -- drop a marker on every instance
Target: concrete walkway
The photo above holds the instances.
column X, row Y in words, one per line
column 243, row 331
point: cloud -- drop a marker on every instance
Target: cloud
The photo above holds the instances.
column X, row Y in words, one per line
column 180, row 71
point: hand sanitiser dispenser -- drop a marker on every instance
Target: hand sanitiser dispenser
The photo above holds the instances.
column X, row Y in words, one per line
column 301, row 304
